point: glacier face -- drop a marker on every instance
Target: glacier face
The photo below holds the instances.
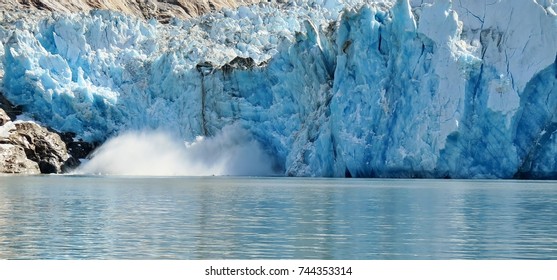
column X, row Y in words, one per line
column 329, row 88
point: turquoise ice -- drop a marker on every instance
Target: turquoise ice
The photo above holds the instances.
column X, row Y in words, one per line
column 328, row 88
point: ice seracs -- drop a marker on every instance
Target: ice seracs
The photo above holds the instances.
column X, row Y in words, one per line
column 461, row 89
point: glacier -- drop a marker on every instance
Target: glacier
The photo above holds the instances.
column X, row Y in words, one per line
column 436, row 89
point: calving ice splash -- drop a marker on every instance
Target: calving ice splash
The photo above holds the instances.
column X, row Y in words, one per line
column 459, row 89
column 156, row 153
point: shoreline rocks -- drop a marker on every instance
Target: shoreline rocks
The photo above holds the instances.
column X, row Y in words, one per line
column 28, row 148
column 13, row 160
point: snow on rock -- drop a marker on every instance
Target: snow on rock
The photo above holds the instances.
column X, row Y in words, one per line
column 462, row 89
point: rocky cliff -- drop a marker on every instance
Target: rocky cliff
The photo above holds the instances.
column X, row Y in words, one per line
column 163, row 10
column 28, row 148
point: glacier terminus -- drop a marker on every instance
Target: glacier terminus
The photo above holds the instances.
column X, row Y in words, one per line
column 333, row 88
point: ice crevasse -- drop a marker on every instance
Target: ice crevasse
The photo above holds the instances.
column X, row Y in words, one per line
column 458, row 89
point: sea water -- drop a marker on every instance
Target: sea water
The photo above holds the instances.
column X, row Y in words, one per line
column 79, row 217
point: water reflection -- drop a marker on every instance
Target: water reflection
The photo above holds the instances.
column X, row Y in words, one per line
column 281, row 218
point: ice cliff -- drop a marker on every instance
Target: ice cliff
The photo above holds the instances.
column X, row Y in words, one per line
column 459, row 89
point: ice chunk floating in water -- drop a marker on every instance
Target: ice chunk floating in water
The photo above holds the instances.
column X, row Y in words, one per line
column 155, row 153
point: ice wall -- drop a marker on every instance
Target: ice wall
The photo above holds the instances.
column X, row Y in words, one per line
column 460, row 89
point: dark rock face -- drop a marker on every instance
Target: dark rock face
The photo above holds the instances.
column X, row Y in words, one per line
column 4, row 118
column 77, row 148
column 28, row 148
column 13, row 159
column 241, row 63
column 9, row 109
column 41, row 146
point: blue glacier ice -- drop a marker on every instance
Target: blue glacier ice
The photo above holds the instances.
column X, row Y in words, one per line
column 456, row 89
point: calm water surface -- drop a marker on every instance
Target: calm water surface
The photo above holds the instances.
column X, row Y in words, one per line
column 60, row 217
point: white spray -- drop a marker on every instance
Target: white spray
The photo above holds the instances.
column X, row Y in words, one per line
column 154, row 153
